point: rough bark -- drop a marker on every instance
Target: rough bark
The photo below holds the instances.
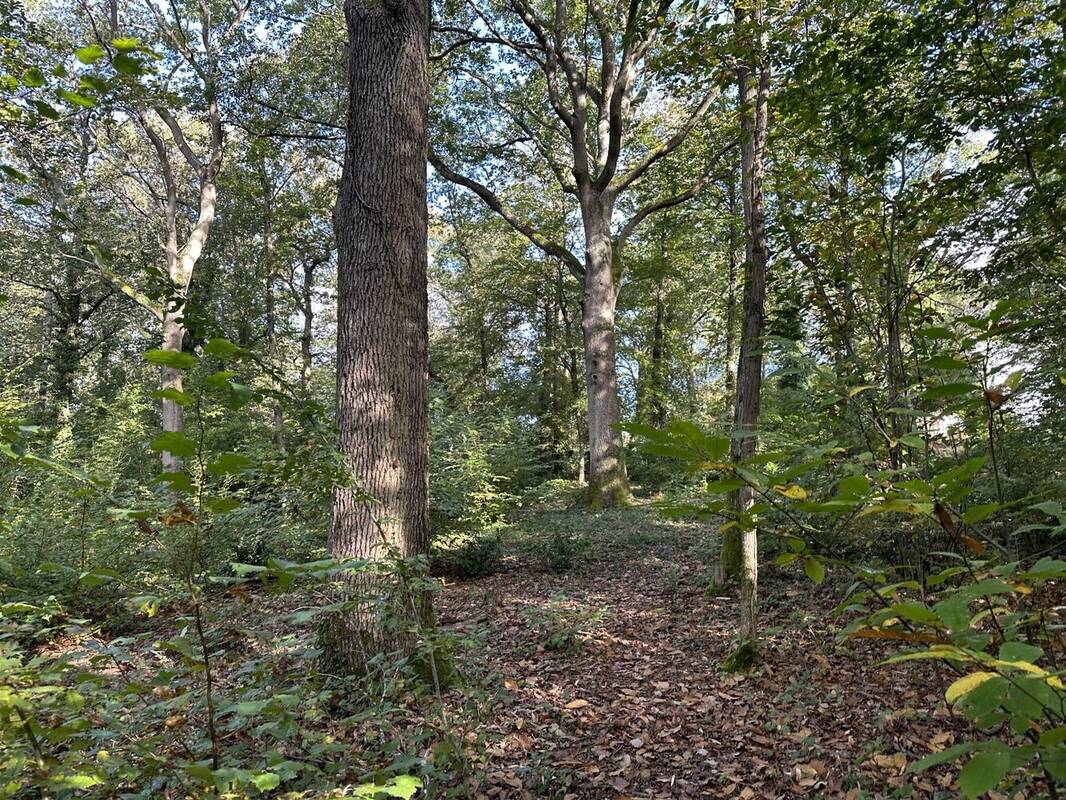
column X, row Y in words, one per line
column 608, row 481
column 731, row 291
column 382, row 341
column 307, row 310
column 753, row 94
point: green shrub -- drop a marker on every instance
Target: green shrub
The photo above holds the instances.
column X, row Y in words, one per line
column 562, row 626
column 467, row 557
column 561, row 551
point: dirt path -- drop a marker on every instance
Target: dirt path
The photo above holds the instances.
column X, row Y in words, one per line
column 614, row 689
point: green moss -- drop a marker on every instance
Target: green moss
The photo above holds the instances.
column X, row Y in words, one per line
column 434, row 664
column 744, row 658
column 730, row 555
column 612, row 493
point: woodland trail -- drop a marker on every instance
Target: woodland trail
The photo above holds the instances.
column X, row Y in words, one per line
column 614, row 688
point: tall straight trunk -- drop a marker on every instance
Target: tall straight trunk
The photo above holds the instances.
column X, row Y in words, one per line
column 307, row 310
column 173, row 418
column 656, row 400
column 731, row 292
column 608, row 481
column 380, row 222
column 269, row 266
column 572, row 371
column 754, row 101
column 655, row 393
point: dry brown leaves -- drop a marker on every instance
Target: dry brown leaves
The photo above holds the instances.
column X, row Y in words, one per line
column 641, row 711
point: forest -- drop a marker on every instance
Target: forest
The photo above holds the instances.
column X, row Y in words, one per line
column 514, row 399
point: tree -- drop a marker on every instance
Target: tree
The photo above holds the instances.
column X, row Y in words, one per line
column 586, row 141
column 168, row 127
column 753, row 92
column 380, row 225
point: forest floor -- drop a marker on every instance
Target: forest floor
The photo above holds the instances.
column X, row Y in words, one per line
column 592, row 670
column 615, row 688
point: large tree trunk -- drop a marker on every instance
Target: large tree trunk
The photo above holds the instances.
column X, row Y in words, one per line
column 382, row 339
column 754, row 100
column 608, row 482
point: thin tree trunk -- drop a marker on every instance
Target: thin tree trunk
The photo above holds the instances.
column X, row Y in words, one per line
column 173, row 418
column 269, row 265
column 382, row 339
column 307, row 309
column 754, row 101
column 731, row 293
column 657, row 415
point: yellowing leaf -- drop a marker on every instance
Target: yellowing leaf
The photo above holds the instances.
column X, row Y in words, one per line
column 792, row 491
column 966, row 684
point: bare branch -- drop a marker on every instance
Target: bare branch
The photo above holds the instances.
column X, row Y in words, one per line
column 492, row 201
column 671, row 144
column 670, row 201
column 179, row 140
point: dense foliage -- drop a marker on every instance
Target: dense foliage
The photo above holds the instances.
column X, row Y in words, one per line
column 174, row 167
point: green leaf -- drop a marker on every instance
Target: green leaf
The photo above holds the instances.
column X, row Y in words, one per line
column 949, row 390
column 89, row 54
column 984, row 771
column 125, row 44
column 1046, row 568
column 949, row 754
column 896, row 506
column 265, row 781
column 33, row 78
column 250, row 707
column 239, row 396
column 854, row 486
column 228, row 464
column 127, row 64
column 402, row 786
column 171, row 358
column 1020, row 651
column 220, row 505
column 966, row 684
column 178, row 396
column 175, row 443
column 79, row 781
column 955, row 611
column 916, row 612
column 724, row 485
column 179, row 481
column 98, row 577
column 223, row 348
column 76, row 99
column 815, row 569
column 756, row 479
column 945, row 362
column 45, row 110
column 936, row 332
column 975, row 514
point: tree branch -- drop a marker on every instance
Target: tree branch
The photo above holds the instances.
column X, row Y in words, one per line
column 670, row 201
column 492, row 201
column 671, row 144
